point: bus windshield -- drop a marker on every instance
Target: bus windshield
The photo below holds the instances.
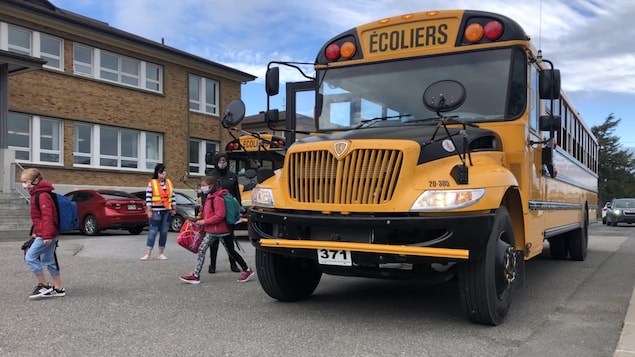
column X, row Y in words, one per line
column 390, row 93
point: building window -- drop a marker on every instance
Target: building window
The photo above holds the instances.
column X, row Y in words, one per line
column 19, row 41
column 35, row 139
column 51, row 51
column 117, row 148
column 203, row 95
column 32, row 43
column 198, row 149
column 112, row 67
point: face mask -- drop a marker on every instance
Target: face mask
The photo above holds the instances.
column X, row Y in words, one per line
column 222, row 165
column 205, row 189
column 163, row 175
column 27, row 186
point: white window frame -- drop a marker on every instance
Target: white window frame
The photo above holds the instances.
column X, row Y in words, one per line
column 59, row 57
column 201, row 102
column 35, row 136
column 95, row 68
column 35, row 45
column 143, row 162
column 200, row 166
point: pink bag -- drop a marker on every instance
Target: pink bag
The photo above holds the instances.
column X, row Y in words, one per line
column 190, row 236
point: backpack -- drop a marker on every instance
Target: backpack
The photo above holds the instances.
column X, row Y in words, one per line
column 66, row 211
column 232, row 209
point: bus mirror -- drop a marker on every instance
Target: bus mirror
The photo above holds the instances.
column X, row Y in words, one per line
column 549, row 123
column 234, row 113
column 549, row 84
column 250, row 173
column 272, row 81
column 272, row 116
column 444, row 96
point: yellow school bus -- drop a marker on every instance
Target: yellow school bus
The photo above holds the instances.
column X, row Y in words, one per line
column 444, row 147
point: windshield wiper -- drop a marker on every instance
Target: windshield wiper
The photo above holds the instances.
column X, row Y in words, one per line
column 375, row 119
column 454, row 119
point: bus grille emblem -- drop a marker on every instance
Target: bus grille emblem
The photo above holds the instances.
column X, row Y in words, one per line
column 340, row 148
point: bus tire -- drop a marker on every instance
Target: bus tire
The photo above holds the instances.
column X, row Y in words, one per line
column 286, row 278
column 486, row 283
column 579, row 240
column 559, row 247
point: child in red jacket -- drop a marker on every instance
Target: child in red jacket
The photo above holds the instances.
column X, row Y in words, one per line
column 212, row 219
column 41, row 253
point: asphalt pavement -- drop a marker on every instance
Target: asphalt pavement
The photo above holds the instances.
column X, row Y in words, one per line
column 118, row 305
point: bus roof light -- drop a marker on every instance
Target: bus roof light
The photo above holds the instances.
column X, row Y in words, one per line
column 332, row 52
column 474, row 33
column 493, row 30
column 348, row 50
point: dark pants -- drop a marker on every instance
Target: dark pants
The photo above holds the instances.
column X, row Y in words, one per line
column 229, row 244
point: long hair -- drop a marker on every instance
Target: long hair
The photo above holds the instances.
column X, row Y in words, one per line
column 158, row 169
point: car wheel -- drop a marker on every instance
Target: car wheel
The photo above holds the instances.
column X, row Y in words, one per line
column 176, row 223
column 614, row 223
column 486, row 283
column 89, row 226
column 136, row 230
column 286, row 278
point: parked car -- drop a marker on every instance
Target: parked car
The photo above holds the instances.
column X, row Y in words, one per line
column 98, row 210
column 184, row 208
column 604, row 209
column 621, row 210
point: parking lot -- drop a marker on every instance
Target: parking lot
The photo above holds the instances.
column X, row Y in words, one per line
column 117, row 305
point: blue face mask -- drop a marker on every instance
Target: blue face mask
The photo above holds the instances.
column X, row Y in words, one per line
column 205, row 189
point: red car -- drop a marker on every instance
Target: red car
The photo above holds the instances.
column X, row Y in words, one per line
column 99, row 210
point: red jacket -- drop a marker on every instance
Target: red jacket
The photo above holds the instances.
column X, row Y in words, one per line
column 213, row 213
column 45, row 218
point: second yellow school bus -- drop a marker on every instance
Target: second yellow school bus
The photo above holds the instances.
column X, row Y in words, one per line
column 444, row 147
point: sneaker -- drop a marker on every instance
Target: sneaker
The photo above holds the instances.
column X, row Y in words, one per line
column 190, row 279
column 145, row 257
column 55, row 293
column 245, row 276
column 162, row 257
column 40, row 290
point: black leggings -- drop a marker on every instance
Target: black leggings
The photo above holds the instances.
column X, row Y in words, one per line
column 230, row 247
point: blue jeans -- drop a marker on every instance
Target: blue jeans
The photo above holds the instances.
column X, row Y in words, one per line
column 42, row 255
column 159, row 223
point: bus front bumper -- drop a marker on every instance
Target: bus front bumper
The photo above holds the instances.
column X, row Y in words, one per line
column 438, row 238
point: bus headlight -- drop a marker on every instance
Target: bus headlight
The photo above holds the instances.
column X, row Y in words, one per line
column 262, row 197
column 434, row 200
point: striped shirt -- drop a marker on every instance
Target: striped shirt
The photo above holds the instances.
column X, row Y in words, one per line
column 158, row 206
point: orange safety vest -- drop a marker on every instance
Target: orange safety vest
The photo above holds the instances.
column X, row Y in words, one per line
column 160, row 195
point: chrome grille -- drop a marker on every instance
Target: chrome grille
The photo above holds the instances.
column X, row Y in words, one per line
column 364, row 176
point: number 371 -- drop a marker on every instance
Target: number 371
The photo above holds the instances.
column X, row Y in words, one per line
column 333, row 254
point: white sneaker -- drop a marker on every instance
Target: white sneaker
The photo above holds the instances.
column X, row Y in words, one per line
column 162, row 257
column 145, row 257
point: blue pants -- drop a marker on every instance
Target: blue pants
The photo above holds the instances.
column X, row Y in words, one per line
column 159, row 223
column 42, row 255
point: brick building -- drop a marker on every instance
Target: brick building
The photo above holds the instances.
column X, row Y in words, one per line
column 108, row 105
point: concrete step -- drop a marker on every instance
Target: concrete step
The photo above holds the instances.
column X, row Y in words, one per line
column 15, row 218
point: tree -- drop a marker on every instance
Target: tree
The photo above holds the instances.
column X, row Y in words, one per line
column 616, row 166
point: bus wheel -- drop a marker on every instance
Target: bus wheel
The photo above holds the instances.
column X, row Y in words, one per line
column 286, row 278
column 579, row 240
column 486, row 283
column 559, row 247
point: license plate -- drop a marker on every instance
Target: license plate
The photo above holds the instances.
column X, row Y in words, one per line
column 132, row 207
column 334, row 257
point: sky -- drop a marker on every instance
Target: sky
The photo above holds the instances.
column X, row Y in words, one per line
column 590, row 41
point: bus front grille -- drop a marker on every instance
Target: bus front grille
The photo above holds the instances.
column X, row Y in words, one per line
column 364, row 176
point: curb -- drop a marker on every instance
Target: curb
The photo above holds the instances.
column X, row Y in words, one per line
column 626, row 344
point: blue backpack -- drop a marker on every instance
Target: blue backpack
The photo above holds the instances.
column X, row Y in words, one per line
column 66, row 211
